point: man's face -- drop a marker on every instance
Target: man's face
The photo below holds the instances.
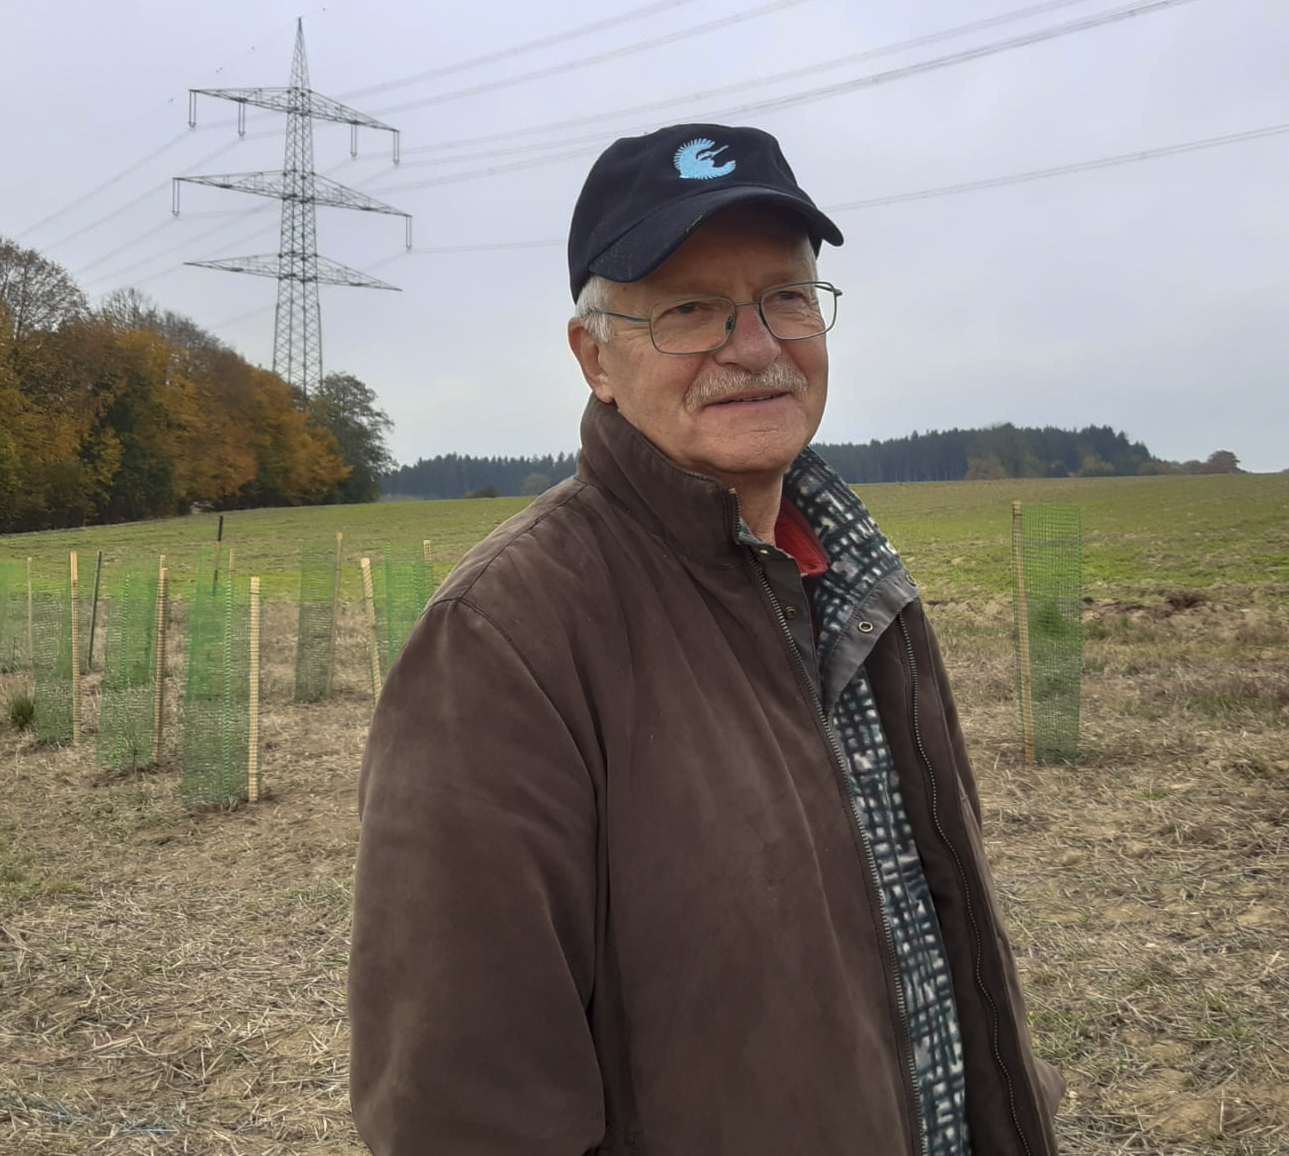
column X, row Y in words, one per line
column 742, row 412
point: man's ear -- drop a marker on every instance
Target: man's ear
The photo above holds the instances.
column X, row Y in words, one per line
column 589, row 351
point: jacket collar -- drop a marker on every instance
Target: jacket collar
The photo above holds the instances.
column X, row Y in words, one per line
column 696, row 514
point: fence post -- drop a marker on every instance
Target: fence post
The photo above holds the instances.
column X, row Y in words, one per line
column 369, row 599
column 253, row 739
column 335, row 618
column 219, row 540
column 31, row 623
column 76, row 656
column 1022, row 620
column 159, row 701
column 98, row 573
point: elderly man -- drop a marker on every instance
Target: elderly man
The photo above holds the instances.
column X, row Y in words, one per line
column 670, row 843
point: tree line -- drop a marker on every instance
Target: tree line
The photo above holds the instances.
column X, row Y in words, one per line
column 1001, row 451
column 461, row 476
column 131, row 411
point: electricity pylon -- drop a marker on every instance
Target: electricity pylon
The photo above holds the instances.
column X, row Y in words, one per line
column 297, row 326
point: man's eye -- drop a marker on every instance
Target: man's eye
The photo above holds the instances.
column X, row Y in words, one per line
column 696, row 310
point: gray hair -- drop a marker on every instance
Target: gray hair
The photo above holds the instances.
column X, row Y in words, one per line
column 594, row 297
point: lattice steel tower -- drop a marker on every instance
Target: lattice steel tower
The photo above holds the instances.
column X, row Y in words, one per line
column 297, row 330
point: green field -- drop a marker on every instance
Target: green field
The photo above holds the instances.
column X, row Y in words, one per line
column 1227, row 535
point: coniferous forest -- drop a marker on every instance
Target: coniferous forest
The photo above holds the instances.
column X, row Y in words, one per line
column 1003, row 451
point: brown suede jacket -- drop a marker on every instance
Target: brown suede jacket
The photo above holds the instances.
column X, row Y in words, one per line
column 610, row 895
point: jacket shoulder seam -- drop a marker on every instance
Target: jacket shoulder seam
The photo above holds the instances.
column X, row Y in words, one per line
column 460, row 596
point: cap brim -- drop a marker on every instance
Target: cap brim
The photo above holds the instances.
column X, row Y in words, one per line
column 640, row 250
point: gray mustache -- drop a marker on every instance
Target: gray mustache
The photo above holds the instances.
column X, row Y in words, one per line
column 777, row 378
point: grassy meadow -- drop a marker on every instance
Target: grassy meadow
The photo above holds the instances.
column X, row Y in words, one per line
column 1142, row 535
column 172, row 979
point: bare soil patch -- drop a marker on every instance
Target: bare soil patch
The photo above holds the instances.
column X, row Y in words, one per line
column 172, row 980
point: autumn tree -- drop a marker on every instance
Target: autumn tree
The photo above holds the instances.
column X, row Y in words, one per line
column 346, row 407
column 297, row 462
column 39, row 295
column 128, row 308
column 14, row 449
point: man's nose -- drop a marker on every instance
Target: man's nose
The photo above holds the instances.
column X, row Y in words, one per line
column 750, row 345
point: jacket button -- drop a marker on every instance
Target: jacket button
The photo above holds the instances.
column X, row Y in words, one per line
column 789, row 612
column 866, row 628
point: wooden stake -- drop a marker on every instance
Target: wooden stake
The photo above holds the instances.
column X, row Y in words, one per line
column 253, row 754
column 369, row 600
column 1022, row 625
column 159, row 698
column 335, row 618
column 76, row 656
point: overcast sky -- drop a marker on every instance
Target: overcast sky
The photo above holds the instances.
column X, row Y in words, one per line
column 1152, row 295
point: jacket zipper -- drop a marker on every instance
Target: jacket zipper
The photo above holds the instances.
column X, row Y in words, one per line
column 840, row 761
column 962, row 875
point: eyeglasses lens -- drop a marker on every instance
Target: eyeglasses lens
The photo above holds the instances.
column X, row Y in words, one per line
column 701, row 324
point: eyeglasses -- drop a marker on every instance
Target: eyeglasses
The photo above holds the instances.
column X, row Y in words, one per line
column 702, row 324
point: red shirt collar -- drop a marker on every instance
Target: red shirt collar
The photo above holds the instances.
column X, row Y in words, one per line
column 793, row 535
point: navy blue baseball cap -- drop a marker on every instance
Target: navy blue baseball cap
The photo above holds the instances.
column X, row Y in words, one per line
column 646, row 194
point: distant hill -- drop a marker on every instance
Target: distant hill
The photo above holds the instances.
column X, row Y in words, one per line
column 1001, row 451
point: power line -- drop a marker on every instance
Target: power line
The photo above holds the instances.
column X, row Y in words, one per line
column 185, row 244
column 1062, row 170
column 107, row 184
column 1113, row 16
column 131, row 204
column 579, row 62
column 826, row 92
column 929, row 193
column 239, row 318
column 692, row 98
column 598, row 58
column 614, row 21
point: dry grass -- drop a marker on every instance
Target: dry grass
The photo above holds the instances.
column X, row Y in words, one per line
column 1146, row 885
column 173, row 980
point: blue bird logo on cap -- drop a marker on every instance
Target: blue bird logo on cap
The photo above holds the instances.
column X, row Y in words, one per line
column 696, row 161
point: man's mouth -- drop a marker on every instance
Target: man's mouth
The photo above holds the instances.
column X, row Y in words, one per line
column 742, row 397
